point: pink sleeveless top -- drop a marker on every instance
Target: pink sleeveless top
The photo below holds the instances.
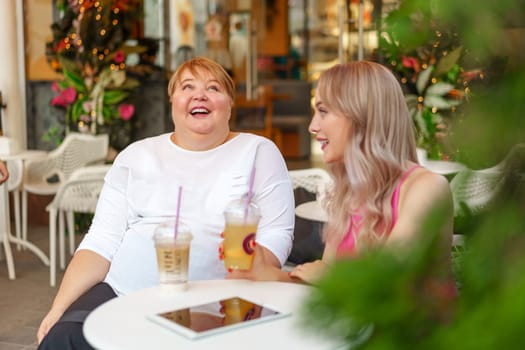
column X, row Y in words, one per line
column 347, row 245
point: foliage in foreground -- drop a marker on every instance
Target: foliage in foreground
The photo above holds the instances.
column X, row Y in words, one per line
column 390, row 293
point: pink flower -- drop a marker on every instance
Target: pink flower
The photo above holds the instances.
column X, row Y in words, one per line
column 122, row 5
column 119, row 57
column 472, row 74
column 65, row 98
column 70, row 95
column 410, row 62
column 88, row 106
column 55, row 87
column 126, row 111
column 61, row 46
column 58, row 101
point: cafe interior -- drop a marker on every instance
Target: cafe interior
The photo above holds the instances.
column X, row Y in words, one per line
column 58, row 148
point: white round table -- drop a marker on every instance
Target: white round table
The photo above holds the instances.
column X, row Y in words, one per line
column 122, row 322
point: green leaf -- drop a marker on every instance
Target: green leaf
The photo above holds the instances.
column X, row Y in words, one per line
column 75, row 80
column 130, row 84
column 439, row 102
column 420, row 123
column 77, row 110
column 411, row 100
column 108, row 113
column 439, row 89
column 428, row 117
column 449, row 61
column 112, row 97
column 423, row 79
column 67, row 64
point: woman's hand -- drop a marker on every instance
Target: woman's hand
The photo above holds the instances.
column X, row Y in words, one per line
column 47, row 323
column 310, row 272
column 4, row 174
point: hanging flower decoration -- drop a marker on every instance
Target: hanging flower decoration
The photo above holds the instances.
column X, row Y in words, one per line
column 89, row 48
column 428, row 63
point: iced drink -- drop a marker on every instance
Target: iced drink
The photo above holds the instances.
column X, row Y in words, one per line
column 172, row 254
column 239, row 234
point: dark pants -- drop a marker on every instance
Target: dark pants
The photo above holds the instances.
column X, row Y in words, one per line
column 67, row 334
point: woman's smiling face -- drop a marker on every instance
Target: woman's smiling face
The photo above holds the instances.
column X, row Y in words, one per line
column 331, row 130
column 200, row 106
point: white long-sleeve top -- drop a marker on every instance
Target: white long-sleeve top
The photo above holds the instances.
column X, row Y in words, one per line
column 141, row 190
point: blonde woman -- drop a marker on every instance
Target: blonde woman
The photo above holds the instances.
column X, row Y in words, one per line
column 381, row 196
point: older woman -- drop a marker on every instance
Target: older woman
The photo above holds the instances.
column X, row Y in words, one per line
column 211, row 164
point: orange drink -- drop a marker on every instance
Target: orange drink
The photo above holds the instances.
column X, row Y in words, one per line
column 239, row 234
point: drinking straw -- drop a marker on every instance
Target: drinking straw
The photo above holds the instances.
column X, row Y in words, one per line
column 178, row 212
column 250, row 192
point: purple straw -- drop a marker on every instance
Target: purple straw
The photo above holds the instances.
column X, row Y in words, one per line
column 250, row 192
column 178, row 212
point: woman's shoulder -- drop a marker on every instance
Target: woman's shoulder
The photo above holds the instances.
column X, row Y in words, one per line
column 142, row 147
column 249, row 140
column 423, row 182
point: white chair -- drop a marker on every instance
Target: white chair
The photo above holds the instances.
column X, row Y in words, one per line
column 309, row 185
column 473, row 190
column 78, row 194
column 311, row 179
column 5, row 227
column 15, row 179
column 15, row 167
column 43, row 176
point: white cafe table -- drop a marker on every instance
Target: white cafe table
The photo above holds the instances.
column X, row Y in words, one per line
column 122, row 322
column 5, row 224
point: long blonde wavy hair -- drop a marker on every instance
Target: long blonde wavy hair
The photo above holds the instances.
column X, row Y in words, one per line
column 379, row 146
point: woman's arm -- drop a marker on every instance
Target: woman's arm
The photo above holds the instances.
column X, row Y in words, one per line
column 275, row 199
column 92, row 260
column 86, row 269
column 310, row 272
column 425, row 205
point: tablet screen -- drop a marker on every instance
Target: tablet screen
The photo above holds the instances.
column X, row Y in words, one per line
column 210, row 318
